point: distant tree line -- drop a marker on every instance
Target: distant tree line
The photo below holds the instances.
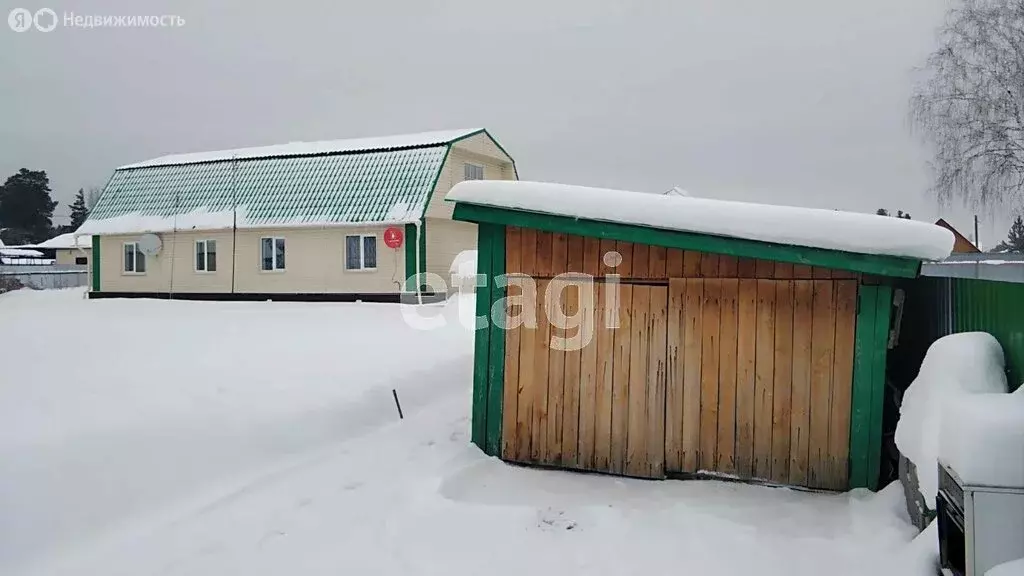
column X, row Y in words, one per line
column 26, row 208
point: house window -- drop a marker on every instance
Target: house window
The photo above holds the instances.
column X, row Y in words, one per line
column 206, row 255
column 134, row 260
column 473, row 172
column 81, row 260
column 361, row 252
column 272, row 254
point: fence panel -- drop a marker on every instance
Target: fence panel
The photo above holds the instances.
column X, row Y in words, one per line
column 44, row 277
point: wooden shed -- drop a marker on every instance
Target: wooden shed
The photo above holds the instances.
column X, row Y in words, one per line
column 699, row 345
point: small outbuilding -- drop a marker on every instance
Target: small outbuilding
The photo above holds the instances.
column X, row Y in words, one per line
column 653, row 336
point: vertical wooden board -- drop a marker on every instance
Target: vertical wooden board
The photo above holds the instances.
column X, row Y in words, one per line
column 691, row 264
column 591, row 365
column 746, row 374
column 513, row 250
column 574, row 259
column 883, row 310
column 693, row 333
column 709, row 370
column 674, row 382
column 800, row 413
column 571, row 393
column 559, row 253
column 545, row 242
column 609, row 298
column 765, row 269
column 709, row 265
column 539, row 426
column 657, row 375
column 625, row 250
column 837, row 468
column 764, row 379
column 843, row 274
column 641, row 261
column 823, row 333
column 727, row 368
column 783, row 380
column 820, row 273
column 510, row 411
column 528, row 252
column 620, row 382
column 746, row 268
column 783, row 271
column 496, row 368
column 592, row 251
column 801, row 271
column 636, row 416
column 529, row 340
column 556, row 372
column 674, row 263
column 481, row 340
column 658, row 267
column 728, row 266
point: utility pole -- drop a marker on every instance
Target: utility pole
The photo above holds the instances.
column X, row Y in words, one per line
column 977, row 241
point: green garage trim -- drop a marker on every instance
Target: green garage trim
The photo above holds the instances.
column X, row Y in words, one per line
column 95, row 263
column 489, row 356
column 868, row 264
column 874, row 305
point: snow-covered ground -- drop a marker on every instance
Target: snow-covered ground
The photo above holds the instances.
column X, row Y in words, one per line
column 149, row 437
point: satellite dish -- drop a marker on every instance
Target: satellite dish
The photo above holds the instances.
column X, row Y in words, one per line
column 150, row 244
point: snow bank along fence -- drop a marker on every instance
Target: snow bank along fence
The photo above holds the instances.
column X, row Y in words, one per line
column 44, row 277
column 690, row 353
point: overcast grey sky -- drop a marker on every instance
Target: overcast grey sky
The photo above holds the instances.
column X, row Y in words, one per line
column 789, row 101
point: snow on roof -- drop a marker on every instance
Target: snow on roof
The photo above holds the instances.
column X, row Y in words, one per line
column 809, row 227
column 313, row 148
column 66, row 241
column 20, row 252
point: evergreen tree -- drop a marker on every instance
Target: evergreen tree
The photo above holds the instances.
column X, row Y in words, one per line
column 79, row 211
column 882, row 212
column 1014, row 238
column 26, row 208
column 899, row 213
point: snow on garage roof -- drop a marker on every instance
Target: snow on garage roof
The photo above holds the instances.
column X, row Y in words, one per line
column 807, row 227
column 66, row 241
column 393, row 142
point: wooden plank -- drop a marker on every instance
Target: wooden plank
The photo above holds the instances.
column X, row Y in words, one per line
column 691, row 264
column 823, row 333
column 726, row 451
column 545, row 241
column 592, row 255
column 674, row 265
column 709, row 265
column 820, row 273
column 783, row 386
column 639, row 346
column 481, row 340
column 539, row 426
column 528, row 343
column 513, row 250
column 510, row 411
column 746, row 354
column 728, row 267
column 555, row 308
column 837, row 467
column 765, row 269
column 620, row 381
column 559, row 253
column 883, row 310
column 575, row 261
column 657, row 374
column 710, row 348
column 764, row 379
column 803, row 272
column 863, row 380
column 528, row 256
column 625, row 250
column 674, row 381
column 608, row 316
column 590, row 364
column 571, row 390
column 746, row 268
column 641, row 262
column 783, row 271
column 692, row 341
column 658, row 267
column 803, row 298
column 843, row 274
column 496, row 363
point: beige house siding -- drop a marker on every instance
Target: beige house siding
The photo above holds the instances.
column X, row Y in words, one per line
column 67, row 257
column 479, row 150
column 445, row 239
column 314, row 263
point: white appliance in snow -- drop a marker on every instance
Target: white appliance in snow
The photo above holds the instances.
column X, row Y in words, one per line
column 980, row 527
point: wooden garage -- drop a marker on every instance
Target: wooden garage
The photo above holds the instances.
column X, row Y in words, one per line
column 619, row 343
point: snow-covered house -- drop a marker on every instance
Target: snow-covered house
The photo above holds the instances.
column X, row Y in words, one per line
column 68, row 249
column 344, row 219
column 676, row 336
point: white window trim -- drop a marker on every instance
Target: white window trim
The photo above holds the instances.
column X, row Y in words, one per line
column 275, row 269
column 480, row 166
column 135, row 262
column 362, row 265
column 206, row 257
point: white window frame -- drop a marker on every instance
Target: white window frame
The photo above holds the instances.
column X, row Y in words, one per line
column 273, row 241
column 474, row 167
column 362, row 253
column 206, row 256
column 135, row 260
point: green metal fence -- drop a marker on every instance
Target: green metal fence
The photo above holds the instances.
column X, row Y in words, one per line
column 996, row 308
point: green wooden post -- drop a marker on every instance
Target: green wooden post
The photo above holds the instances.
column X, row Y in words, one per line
column 883, row 309
column 863, row 380
column 95, row 263
column 481, row 352
column 496, row 368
